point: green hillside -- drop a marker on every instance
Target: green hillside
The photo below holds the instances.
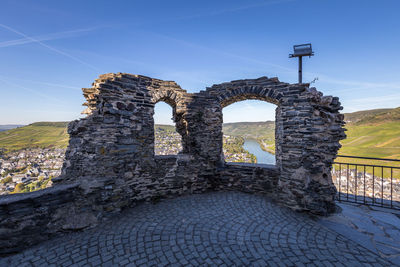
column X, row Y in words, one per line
column 358, row 116
column 250, row 129
column 43, row 135
column 165, row 127
column 9, row 127
column 35, row 135
column 263, row 132
column 371, row 133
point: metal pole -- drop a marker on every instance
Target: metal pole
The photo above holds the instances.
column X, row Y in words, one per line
column 300, row 69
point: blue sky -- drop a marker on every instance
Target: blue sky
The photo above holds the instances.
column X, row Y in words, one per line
column 49, row 50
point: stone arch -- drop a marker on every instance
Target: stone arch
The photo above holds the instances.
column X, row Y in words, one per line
column 111, row 147
column 238, row 96
column 265, row 89
column 120, row 121
column 167, row 96
column 243, row 97
column 172, row 98
column 308, row 130
column 172, row 94
column 176, row 123
column 109, row 163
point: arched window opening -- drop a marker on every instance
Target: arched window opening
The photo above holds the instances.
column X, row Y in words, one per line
column 167, row 141
column 249, row 132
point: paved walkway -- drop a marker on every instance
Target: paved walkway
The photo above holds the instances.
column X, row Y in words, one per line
column 222, row 228
column 375, row 228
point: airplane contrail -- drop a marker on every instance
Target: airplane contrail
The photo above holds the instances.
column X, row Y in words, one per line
column 49, row 47
column 47, row 37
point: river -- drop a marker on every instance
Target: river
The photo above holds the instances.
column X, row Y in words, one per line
column 263, row 157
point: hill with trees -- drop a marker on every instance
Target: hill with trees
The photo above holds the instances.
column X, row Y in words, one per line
column 372, row 133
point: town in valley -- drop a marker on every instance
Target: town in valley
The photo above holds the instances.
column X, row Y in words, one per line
column 32, row 169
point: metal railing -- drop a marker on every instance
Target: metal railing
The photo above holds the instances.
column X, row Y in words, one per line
column 360, row 180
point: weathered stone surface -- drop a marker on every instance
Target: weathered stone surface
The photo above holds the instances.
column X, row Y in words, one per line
column 26, row 219
column 119, row 140
column 249, row 178
column 111, row 158
column 211, row 229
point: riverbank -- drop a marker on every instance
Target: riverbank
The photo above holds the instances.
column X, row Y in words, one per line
column 234, row 151
column 254, row 147
column 270, row 148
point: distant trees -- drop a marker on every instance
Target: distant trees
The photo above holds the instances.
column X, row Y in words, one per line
column 234, row 151
column 41, row 183
column 19, row 188
column 14, row 170
column 6, row 180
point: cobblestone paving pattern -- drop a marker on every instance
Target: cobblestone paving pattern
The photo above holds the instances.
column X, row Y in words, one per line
column 223, row 228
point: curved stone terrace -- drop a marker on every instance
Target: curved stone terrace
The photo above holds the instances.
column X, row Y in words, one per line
column 210, row 229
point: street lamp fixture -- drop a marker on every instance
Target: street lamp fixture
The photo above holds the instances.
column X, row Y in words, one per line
column 300, row 51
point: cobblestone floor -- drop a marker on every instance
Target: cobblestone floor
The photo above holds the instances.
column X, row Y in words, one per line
column 375, row 228
column 223, row 228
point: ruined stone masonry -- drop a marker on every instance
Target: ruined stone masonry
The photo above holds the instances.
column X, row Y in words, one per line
column 110, row 161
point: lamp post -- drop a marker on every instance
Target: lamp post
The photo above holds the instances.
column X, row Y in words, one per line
column 300, row 51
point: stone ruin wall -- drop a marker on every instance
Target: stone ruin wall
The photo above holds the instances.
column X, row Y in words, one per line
column 113, row 148
column 110, row 161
